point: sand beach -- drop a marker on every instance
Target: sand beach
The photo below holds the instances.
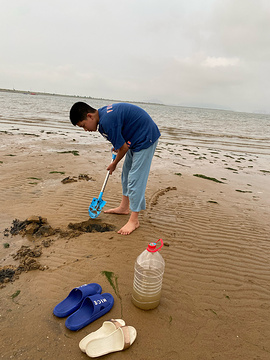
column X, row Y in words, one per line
column 210, row 207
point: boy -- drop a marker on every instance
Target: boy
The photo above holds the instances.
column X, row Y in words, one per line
column 134, row 135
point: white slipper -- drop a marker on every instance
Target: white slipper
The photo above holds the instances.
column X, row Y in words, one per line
column 120, row 339
column 106, row 329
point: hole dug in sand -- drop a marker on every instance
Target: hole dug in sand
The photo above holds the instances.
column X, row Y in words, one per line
column 92, row 226
column 38, row 227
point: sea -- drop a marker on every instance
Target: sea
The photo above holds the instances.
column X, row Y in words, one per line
column 34, row 113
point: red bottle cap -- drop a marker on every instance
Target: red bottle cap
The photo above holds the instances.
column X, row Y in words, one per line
column 152, row 246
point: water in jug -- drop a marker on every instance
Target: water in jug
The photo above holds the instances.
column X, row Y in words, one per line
column 148, row 275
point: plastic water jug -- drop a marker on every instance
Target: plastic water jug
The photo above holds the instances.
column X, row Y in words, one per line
column 148, row 275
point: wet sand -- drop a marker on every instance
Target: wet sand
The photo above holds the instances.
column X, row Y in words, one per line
column 215, row 300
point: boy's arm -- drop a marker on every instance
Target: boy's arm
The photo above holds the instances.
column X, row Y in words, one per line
column 120, row 154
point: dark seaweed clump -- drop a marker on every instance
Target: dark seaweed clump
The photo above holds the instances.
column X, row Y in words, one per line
column 6, row 275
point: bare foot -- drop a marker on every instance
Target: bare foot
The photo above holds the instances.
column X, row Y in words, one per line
column 119, row 210
column 129, row 227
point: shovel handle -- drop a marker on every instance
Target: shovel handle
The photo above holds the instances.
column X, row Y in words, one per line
column 104, row 184
column 107, row 176
column 100, row 196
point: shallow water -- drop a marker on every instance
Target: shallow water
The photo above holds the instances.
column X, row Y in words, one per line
column 219, row 129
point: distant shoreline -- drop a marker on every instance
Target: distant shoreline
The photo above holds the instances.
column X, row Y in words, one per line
column 28, row 92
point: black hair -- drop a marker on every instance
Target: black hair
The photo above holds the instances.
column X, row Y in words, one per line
column 79, row 111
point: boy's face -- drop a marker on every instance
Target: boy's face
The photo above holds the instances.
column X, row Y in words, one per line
column 89, row 124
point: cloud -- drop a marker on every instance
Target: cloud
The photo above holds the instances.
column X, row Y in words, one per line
column 189, row 53
column 241, row 29
column 213, row 62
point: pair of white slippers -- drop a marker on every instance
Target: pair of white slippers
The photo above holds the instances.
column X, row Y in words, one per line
column 112, row 336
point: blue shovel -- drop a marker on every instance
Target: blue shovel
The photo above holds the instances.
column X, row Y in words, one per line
column 97, row 204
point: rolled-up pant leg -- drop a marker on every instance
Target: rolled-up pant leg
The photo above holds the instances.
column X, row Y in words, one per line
column 135, row 174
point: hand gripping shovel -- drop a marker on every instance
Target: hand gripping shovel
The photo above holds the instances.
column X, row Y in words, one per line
column 97, row 204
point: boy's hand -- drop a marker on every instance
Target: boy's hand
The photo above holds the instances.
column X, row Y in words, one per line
column 120, row 154
column 112, row 167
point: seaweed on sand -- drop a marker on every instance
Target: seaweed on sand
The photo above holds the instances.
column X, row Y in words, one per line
column 265, row 171
column 113, row 280
column 74, row 152
column 208, row 178
column 243, row 191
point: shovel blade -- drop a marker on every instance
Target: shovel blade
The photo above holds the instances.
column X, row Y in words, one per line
column 95, row 207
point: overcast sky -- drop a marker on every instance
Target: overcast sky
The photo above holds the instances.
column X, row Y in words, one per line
column 206, row 53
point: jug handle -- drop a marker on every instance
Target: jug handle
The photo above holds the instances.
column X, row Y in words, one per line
column 161, row 241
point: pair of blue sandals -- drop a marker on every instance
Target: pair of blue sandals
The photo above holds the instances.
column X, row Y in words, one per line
column 84, row 305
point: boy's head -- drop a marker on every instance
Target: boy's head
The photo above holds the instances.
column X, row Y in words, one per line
column 79, row 111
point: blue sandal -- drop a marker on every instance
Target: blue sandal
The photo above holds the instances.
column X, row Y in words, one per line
column 75, row 298
column 92, row 308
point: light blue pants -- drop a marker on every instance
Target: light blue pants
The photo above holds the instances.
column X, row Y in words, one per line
column 135, row 174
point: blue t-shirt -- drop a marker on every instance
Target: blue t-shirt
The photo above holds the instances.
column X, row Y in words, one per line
column 126, row 123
